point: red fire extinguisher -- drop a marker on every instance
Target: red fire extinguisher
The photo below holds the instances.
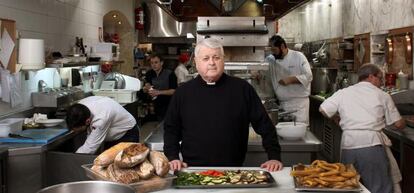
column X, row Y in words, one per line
column 139, row 18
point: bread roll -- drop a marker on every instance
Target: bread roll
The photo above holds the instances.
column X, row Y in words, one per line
column 125, row 176
column 100, row 170
column 160, row 163
column 108, row 156
column 131, row 156
column 145, row 170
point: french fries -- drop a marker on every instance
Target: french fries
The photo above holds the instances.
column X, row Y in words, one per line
column 321, row 174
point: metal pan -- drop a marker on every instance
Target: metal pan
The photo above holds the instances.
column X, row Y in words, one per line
column 271, row 181
column 300, row 188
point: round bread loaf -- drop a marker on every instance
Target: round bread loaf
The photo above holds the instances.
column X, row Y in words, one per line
column 131, row 156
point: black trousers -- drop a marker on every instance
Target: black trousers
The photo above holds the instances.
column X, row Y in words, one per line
column 131, row 135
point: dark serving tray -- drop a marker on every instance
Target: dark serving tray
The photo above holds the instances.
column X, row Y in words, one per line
column 271, row 181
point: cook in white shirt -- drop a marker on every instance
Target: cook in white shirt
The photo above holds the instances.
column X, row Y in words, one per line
column 291, row 78
column 105, row 120
column 364, row 111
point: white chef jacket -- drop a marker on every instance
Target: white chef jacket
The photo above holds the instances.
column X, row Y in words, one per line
column 364, row 110
column 293, row 64
column 293, row 97
column 182, row 73
column 110, row 121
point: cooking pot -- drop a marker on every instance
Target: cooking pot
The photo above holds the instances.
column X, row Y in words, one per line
column 88, row 187
column 323, row 80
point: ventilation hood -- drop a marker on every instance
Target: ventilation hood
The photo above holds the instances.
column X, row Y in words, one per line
column 162, row 24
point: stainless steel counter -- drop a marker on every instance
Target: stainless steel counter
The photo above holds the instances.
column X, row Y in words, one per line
column 405, row 136
column 293, row 152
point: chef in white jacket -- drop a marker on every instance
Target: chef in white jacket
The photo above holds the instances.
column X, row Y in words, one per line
column 105, row 120
column 364, row 111
column 291, row 78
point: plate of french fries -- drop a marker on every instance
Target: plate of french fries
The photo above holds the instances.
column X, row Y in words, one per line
column 327, row 177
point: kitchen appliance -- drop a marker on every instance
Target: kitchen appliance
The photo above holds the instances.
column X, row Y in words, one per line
column 88, row 186
column 117, row 77
column 323, row 80
column 106, row 51
column 244, row 40
column 121, row 88
column 62, row 97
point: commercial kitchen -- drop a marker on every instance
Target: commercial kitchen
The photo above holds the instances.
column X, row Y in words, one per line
column 54, row 53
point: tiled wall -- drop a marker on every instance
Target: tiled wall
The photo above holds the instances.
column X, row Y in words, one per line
column 326, row 19
column 58, row 22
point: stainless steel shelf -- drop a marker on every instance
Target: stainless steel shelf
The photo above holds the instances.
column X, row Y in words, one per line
column 82, row 64
column 246, row 66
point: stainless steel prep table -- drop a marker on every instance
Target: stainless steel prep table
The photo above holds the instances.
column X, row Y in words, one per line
column 293, row 152
column 283, row 179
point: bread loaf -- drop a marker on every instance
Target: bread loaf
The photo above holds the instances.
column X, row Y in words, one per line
column 160, row 163
column 125, row 176
column 100, row 170
column 131, row 156
column 145, row 170
column 108, row 156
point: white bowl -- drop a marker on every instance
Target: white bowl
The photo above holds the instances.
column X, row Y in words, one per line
column 50, row 122
column 291, row 131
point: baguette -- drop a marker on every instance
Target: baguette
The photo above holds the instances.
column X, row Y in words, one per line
column 108, row 156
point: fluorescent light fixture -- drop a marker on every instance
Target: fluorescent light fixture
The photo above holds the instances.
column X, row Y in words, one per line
column 190, row 36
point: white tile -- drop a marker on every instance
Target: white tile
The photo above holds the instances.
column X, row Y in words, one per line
column 75, row 14
column 5, row 12
column 56, row 9
column 75, row 3
column 8, row 3
column 53, row 25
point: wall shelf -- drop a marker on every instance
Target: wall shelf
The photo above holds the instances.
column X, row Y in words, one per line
column 82, row 64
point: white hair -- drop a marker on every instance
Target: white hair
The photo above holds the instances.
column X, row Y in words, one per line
column 210, row 43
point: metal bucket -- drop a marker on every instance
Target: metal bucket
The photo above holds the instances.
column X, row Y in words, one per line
column 88, row 187
column 323, row 80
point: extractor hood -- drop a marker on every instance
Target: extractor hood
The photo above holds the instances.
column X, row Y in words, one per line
column 162, row 24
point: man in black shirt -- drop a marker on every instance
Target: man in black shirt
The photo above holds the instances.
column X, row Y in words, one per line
column 160, row 84
column 210, row 116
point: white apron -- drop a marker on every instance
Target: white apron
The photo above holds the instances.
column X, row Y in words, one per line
column 394, row 170
column 300, row 105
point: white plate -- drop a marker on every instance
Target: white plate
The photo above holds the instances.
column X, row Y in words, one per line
column 50, row 122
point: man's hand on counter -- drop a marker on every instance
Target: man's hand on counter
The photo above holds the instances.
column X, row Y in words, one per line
column 272, row 165
column 177, row 165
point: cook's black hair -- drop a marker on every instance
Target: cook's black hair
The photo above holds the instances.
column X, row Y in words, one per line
column 155, row 55
column 76, row 115
column 277, row 41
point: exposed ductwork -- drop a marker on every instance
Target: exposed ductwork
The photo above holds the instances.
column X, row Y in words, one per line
column 163, row 24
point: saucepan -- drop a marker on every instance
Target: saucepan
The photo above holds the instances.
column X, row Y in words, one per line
column 88, row 187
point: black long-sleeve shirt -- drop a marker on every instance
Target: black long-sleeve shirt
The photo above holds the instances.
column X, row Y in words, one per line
column 212, row 123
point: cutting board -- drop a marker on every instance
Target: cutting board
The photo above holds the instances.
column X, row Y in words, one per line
column 40, row 136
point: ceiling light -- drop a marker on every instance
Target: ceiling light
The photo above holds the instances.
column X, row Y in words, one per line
column 259, row 1
column 114, row 15
column 119, row 22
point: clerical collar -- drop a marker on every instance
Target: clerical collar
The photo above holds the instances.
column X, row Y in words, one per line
column 211, row 83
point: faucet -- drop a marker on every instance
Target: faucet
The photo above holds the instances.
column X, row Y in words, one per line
column 41, row 86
